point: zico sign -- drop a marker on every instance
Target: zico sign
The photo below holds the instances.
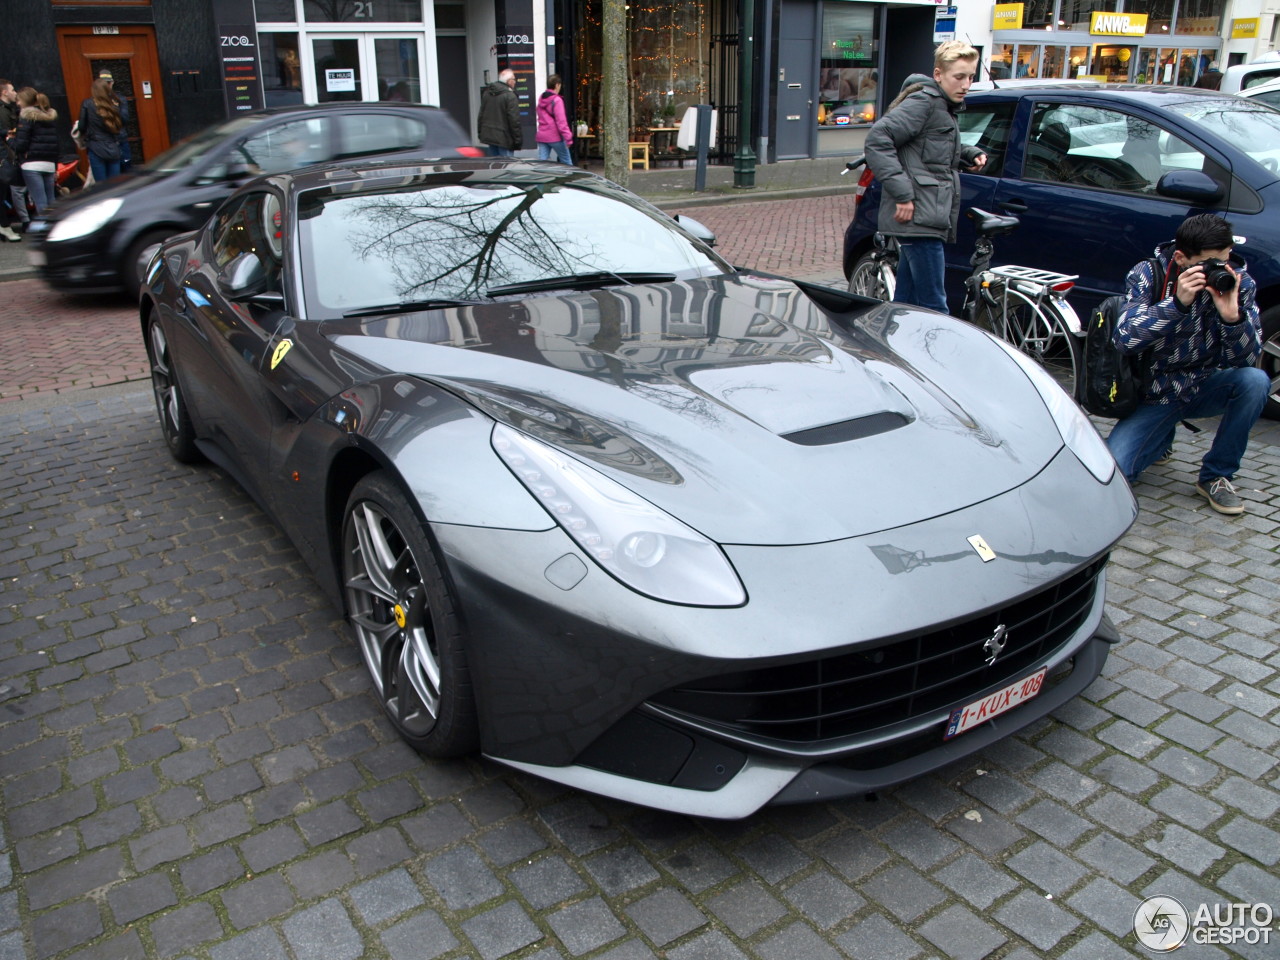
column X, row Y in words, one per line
column 1118, row 24
column 1007, row 16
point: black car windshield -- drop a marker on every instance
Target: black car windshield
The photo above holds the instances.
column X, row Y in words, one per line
column 184, row 154
column 1253, row 128
column 458, row 242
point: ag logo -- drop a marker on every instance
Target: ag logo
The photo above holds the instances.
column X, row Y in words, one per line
column 1161, row 924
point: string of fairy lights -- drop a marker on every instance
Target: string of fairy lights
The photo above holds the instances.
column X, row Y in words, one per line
column 666, row 44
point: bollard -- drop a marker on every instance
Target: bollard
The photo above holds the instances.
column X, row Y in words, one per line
column 702, row 143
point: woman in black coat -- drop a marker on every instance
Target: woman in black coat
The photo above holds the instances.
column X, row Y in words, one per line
column 36, row 144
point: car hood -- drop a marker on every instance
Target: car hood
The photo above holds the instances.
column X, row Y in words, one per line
column 124, row 186
column 740, row 404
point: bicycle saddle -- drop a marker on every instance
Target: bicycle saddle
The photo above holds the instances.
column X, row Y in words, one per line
column 992, row 224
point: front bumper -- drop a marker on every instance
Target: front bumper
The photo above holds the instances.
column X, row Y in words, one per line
column 84, row 264
column 572, row 682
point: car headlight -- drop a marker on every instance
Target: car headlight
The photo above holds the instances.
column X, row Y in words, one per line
column 1077, row 431
column 645, row 548
column 84, row 220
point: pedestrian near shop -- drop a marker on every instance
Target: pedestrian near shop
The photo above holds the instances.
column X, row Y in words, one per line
column 36, row 146
column 915, row 152
column 499, row 122
column 100, row 125
column 554, row 135
column 123, row 105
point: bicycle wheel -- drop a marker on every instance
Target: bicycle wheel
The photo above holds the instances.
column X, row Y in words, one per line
column 872, row 276
column 1034, row 329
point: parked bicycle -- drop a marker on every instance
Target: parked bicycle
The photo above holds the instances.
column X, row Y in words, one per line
column 1024, row 306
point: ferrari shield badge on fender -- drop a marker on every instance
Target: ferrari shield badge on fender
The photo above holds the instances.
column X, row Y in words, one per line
column 980, row 546
column 283, row 347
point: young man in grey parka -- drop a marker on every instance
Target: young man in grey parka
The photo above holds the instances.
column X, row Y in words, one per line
column 914, row 150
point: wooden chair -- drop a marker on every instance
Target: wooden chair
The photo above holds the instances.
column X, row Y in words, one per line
column 639, row 154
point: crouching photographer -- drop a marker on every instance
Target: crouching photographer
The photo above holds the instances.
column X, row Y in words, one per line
column 1191, row 315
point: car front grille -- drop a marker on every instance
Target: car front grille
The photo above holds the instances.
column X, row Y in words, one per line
column 856, row 693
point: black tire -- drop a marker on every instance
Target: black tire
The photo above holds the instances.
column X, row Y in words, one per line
column 871, row 277
column 171, row 405
column 136, row 259
column 405, row 620
column 1037, row 331
column 1270, row 359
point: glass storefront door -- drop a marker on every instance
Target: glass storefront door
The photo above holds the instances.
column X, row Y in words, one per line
column 368, row 66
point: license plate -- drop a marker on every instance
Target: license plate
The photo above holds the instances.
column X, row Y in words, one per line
column 36, row 258
column 994, row 704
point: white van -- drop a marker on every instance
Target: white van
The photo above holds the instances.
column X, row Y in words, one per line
column 1242, row 75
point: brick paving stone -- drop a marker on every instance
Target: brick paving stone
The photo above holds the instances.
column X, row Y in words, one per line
column 324, row 930
column 985, row 831
column 208, row 872
column 1065, row 783
column 854, row 855
column 712, row 945
column 1249, row 883
column 1186, row 807
column 185, row 928
column 462, row 879
column 422, row 936
column 376, row 851
column 260, row 944
column 1257, row 801
column 1042, row 922
column 747, row 908
column 258, row 900
column 510, row 842
column 913, row 840
column 1046, row 867
column 547, row 882
column 1109, row 906
column 976, row 880
column 1185, row 768
column 1114, row 858
column 903, row 892
column 823, row 899
column 1097, row 947
column 878, row 938
column 796, row 942
column 1123, row 773
column 1053, row 822
column 387, row 800
column 320, row 874
column 386, row 897
column 76, row 878
column 500, row 931
column 329, row 822
column 135, row 899
column 1000, row 792
column 961, row 934
column 1186, row 849
column 699, row 866
column 590, row 924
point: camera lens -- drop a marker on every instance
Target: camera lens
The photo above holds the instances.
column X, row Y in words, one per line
column 1218, row 276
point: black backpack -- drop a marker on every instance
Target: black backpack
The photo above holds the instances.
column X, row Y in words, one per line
column 1113, row 382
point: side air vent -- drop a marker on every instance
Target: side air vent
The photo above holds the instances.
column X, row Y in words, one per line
column 847, row 430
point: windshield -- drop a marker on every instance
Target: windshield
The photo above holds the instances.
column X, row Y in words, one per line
column 1253, row 128
column 189, row 151
column 454, row 242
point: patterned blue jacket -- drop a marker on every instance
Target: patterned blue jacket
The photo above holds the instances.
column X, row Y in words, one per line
column 1186, row 344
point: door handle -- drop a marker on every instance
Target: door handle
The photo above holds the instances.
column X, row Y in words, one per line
column 1015, row 206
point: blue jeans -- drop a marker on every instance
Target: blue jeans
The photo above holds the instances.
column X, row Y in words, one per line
column 558, row 148
column 1237, row 393
column 920, row 273
column 499, row 151
column 103, row 169
column 41, row 188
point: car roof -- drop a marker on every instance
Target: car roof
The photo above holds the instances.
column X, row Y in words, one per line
column 343, row 106
column 1135, row 93
column 1257, row 88
column 382, row 174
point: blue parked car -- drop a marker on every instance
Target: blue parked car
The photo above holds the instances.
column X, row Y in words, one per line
column 1100, row 174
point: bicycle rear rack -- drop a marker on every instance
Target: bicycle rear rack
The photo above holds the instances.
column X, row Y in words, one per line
column 1031, row 275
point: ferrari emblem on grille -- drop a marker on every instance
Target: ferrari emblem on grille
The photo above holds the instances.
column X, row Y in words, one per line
column 994, row 644
column 980, row 545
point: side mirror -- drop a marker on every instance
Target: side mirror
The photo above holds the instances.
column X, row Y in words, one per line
column 701, row 231
column 1194, row 186
column 245, row 278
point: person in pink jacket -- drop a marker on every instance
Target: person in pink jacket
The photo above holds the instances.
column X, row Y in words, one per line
column 554, row 134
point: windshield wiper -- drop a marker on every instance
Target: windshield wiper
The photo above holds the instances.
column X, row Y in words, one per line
column 408, row 306
column 580, row 281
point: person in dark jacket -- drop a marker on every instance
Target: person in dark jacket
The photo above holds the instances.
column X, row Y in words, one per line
column 100, row 125
column 36, row 144
column 499, row 122
column 915, row 152
column 122, row 104
column 1201, row 341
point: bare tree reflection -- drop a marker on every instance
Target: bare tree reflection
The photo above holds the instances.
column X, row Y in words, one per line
column 456, row 243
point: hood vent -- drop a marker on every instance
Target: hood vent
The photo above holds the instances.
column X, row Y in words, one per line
column 846, row 430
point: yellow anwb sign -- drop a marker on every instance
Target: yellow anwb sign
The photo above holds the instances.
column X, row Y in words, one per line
column 1106, row 24
column 1007, row 16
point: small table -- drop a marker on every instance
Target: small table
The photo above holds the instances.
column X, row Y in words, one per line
column 664, row 147
column 587, row 149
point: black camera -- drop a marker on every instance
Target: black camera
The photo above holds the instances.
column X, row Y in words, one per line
column 1217, row 276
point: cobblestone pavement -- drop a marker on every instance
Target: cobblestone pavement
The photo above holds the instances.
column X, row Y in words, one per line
column 192, row 763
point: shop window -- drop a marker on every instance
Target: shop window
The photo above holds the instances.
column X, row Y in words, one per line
column 1094, row 147
column 1198, row 18
column 275, row 11
column 1159, row 14
column 1076, row 14
column 281, row 69
column 362, row 11
column 451, row 16
column 1053, row 62
column 848, row 91
column 1037, row 14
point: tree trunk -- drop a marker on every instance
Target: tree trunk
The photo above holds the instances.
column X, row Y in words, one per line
column 615, row 124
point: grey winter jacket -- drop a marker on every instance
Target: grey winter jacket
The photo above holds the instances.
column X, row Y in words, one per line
column 499, row 122
column 914, row 150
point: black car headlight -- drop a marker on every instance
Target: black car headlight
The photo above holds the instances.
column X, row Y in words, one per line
column 83, row 221
column 642, row 546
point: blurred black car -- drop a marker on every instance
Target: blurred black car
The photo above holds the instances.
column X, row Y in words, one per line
column 619, row 515
column 101, row 239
